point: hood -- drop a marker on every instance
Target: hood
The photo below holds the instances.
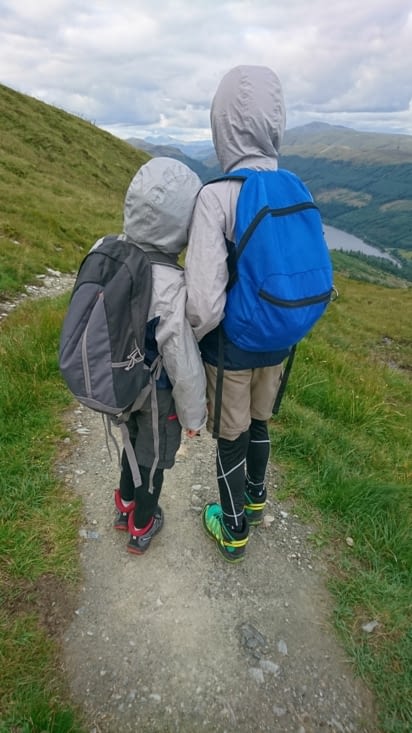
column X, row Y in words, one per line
column 248, row 118
column 159, row 204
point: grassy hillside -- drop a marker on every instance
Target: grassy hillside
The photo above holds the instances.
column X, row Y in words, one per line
column 62, row 184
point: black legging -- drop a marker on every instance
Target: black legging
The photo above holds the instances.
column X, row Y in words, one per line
column 257, row 457
column 146, row 502
column 249, row 453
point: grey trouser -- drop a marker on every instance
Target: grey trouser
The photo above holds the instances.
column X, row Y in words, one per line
column 141, row 431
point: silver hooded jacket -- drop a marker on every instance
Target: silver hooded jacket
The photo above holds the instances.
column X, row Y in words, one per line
column 157, row 211
column 248, row 120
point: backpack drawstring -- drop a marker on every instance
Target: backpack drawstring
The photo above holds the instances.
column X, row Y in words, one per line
column 134, row 357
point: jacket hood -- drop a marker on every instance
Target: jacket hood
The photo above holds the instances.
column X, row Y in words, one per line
column 159, row 204
column 248, row 118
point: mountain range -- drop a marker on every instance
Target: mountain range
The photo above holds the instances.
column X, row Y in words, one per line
column 361, row 181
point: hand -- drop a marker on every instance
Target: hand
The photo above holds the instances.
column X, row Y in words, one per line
column 192, row 433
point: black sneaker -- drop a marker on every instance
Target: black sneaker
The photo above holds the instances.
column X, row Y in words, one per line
column 138, row 544
column 122, row 515
column 254, row 506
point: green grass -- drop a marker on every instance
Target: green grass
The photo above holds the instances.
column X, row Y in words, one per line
column 343, row 439
column 62, row 184
column 39, row 523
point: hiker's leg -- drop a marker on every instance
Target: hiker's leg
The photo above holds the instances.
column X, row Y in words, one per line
column 232, row 444
column 168, row 435
column 147, row 519
column 126, row 484
column 264, row 386
column 168, row 430
column 256, row 463
column 257, row 456
column 230, row 465
column 226, row 523
column 235, row 409
column 146, row 501
column 124, row 495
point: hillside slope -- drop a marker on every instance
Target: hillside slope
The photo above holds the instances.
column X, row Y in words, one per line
column 62, row 184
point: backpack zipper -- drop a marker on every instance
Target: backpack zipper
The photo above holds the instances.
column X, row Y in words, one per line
column 322, row 298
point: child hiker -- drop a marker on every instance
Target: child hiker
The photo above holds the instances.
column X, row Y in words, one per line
column 157, row 211
column 247, row 119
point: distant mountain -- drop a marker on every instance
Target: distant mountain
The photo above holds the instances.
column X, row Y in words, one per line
column 316, row 139
column 175, row 149
column 197, row 149
column 336, row 142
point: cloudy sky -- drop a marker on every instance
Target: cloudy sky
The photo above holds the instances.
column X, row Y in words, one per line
column 139, row 67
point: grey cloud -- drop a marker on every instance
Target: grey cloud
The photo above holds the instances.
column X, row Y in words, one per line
column 156, row 65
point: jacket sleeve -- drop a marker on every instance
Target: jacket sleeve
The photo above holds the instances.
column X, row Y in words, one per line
column 181, row 357
column 206, row 270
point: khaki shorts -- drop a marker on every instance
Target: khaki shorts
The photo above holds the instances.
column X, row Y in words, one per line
column 247, row 394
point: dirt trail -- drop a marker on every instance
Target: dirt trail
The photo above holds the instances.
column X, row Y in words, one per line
column 178, row 641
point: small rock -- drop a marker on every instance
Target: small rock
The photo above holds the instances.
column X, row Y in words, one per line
column 282, row 647
column 336, row 726
column 371, row 626
column 256, row 675
column 269, row 666
column 88, row 534
column 279, row 712
column 252, row 640
column 268, row 519
column 349, row 541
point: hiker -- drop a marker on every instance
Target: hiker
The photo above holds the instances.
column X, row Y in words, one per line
column 247, row 120
column 157, row 210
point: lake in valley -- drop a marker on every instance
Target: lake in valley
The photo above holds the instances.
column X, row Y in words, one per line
column 337, row 239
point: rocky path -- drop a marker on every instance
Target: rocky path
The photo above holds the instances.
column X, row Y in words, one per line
column 178, row 641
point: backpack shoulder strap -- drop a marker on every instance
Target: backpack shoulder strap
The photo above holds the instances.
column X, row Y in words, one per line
column 239, row 175
column 161, row 258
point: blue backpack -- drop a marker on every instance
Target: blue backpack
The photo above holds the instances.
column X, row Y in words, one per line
column 281, row 280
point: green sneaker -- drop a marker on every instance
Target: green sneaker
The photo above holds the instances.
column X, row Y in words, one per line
column 254, row 507
column 230, row 546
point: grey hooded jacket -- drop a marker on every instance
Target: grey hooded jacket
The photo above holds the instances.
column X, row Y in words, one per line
column 248, row 121
column 157, row 211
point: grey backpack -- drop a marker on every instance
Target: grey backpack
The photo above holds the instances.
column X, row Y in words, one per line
column 101, row 355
